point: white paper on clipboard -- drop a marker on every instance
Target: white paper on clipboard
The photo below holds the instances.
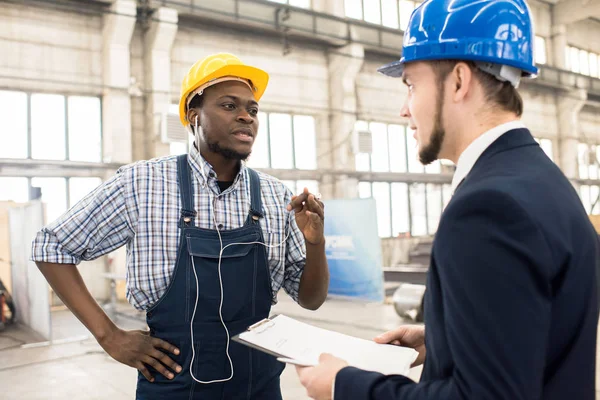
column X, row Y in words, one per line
column 286, row 337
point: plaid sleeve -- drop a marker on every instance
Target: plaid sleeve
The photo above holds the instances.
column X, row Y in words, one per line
column 97, row 225
column 295, row 254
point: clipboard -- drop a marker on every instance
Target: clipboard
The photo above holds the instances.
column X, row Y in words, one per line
column 301, row 344
column 262, row 324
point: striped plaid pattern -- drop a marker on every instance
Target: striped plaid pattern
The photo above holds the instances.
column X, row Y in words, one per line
column 140, row 207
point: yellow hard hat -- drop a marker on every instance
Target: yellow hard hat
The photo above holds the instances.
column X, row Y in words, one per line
column 218, row 66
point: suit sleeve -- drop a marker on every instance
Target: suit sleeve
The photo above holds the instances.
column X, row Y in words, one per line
column 492, row 261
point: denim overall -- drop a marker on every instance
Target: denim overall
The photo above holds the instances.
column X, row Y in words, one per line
column 247, row 298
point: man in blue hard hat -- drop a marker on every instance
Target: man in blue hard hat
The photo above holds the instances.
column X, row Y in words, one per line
column 511, row 306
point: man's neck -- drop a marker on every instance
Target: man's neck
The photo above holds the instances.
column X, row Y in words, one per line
column 225, row 169
column 467, row 134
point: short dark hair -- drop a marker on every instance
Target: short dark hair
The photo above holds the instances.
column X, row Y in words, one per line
column 196, row 102
column 500, row 93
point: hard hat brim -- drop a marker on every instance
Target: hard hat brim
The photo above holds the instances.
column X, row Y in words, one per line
column 396, row 69
column 259, row 80
column 393, row 69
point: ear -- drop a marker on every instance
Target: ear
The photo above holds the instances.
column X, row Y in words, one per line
column 461, row 80
column 192, row 114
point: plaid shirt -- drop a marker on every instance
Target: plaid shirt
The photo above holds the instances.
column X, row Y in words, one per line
column 140, row 207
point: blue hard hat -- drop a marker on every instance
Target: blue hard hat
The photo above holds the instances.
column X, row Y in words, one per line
column 488, row 32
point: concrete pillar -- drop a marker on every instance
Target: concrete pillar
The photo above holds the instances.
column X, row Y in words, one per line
column 332, row 7
column 116, row 103
column 336, row 8
column 559, row 46
column 344, row 66
column 158, row 41
column 569, row 106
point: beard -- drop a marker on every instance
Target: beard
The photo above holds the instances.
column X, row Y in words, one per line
column 228, row 154
column 215, row 147
column 431, row 152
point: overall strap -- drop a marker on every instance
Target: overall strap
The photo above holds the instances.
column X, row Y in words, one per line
column 185, row 190
column 255, row 197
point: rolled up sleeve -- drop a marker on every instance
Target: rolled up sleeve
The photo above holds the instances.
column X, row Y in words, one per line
column 97, row 225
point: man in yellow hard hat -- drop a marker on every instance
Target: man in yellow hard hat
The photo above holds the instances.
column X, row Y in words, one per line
column 210, row 243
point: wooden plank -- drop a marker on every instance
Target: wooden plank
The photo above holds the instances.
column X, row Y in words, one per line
column 596, row 222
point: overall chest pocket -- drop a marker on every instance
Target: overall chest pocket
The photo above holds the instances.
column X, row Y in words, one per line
column 239, row 276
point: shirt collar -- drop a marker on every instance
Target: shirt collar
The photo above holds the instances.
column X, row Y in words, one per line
column 471, row 154
column 199, row 164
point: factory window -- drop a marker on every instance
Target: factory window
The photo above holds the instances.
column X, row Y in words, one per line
column 546, row 145
column 583, row 62
column 84, row 127
column 55, row 196
column 50, row 126
column 295, row 3
column 588, row 161
column 13, row 135
column 403, row 208
column 394, row 149
column 298, row 186
column 540, row 50
column 390, row 13
column 590, row 197
column 285, row 141
column 177, row 147
column 14, row 189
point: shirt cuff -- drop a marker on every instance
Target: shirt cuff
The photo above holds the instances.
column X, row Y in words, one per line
column 46, row 248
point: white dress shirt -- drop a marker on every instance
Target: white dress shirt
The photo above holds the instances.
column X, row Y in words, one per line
column 471, row 154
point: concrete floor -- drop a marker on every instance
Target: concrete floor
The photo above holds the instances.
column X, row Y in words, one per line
column 74, row 366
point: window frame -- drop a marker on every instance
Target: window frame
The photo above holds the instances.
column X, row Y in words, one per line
column 570, row 52
column 287, row 3
column 380, row 9
column 409, row 187
column 425, row 169
column 293, row 140
column 65, row 99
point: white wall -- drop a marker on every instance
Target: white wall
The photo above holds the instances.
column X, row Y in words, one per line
column 141, row 141
column 379, row 97
column 46, row 50
column 540, row 112
column 585, row 35
column 589, row 124
column 542, row 17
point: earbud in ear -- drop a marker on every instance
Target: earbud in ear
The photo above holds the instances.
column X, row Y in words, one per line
column 196, row 120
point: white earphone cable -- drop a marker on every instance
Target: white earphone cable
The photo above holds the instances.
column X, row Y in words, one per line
column 222, row 298
column 221, row 286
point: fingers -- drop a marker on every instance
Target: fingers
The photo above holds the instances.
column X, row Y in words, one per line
column 161, row 344
column 316, row 206
column 307, row 202
column 142, row 368
column 304, row 374
column 390, row 336
column 160, row 368
column 298, row 201
column 324, row 357
column 166, row 360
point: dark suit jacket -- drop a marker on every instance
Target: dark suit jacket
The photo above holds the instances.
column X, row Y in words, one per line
column 511, row 308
